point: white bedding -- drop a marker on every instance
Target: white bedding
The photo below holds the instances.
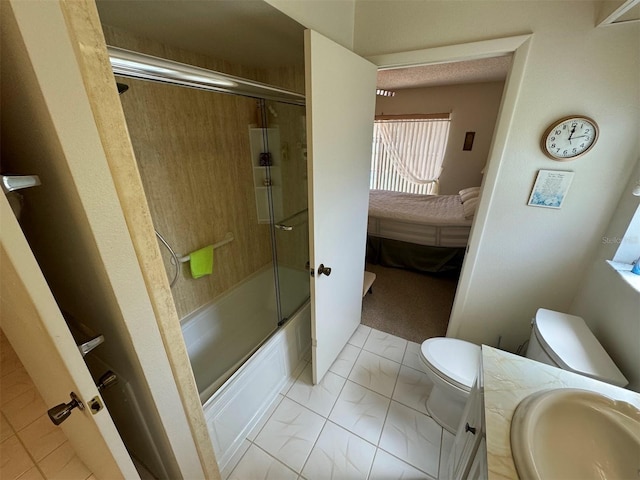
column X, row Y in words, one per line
column 423, row 209
column 434, row 220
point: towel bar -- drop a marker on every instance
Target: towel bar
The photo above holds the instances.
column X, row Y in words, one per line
column 227, row 238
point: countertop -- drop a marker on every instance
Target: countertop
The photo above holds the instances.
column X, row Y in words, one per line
column 508, row 379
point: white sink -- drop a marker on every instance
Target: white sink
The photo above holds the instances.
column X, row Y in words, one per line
column 575, row 434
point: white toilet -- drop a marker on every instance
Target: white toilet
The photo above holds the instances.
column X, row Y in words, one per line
column 452, row 366
column 566, row 342
column 556, row 339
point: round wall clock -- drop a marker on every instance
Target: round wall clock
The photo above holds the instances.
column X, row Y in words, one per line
column 569, row 137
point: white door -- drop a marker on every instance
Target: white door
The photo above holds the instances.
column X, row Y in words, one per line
column 32, row 322
column 340, row 91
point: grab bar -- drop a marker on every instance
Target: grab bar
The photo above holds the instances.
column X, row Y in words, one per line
column 227, row 239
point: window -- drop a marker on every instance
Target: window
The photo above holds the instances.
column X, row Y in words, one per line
column 628, row 251
column 408, row 151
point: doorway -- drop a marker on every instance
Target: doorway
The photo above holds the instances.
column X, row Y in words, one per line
column 445, row 320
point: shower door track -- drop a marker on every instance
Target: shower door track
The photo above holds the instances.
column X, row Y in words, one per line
column 127, row 63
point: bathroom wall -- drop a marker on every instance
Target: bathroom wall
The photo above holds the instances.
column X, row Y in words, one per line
column 525, row 257
column 31, row 446
column 192, row 149
column 610, row 305
column 332, row 18
column 473, row 107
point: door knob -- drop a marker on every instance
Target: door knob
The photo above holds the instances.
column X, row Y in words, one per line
column 324, row 270
column 60, row 413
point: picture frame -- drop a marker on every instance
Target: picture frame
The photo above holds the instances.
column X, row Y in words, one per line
column 468, row 141
column 550, row 188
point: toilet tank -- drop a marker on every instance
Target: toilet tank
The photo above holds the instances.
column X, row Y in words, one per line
column 535, row 351
column 566, row 342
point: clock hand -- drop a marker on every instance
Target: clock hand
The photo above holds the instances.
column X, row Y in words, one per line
column 573, row 130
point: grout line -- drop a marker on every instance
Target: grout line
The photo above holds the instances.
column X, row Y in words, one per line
column 304, row 464
column 327, row 419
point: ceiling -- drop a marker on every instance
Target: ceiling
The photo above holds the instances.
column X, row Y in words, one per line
column 255, row 34
column 493, row 69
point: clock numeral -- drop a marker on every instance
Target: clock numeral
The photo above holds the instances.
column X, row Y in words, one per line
column 553, row 145
column 575, row 150
column 587, row 130
column 565, row 152
column 574, row 124
column 558, row 132
column 582, row 145
column 553, row 139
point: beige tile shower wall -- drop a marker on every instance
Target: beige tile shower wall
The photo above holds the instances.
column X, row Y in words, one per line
column 31, row 447
column 192, row 149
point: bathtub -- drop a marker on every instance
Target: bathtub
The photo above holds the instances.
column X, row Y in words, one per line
column 241, row 360
column 220, row 336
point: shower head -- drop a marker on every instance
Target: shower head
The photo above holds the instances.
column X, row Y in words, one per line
column 122, row 87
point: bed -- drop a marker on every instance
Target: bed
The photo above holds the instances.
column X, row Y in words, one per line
column 421, row 232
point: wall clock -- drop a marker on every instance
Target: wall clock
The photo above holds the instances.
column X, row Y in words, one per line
column 569, row 137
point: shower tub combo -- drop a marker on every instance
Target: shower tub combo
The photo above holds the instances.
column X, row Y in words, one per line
column 237, row 387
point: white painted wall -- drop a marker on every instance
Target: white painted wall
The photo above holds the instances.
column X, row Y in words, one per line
column 473, row 107
column 332, row 18
column 609, row 305
column 532, row 257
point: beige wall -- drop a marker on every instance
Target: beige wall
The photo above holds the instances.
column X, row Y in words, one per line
column 530, row 257
column 31, row 446
column 473, row 108
column 332, row 18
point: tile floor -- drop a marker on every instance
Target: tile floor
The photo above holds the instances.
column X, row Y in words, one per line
column 365, row 420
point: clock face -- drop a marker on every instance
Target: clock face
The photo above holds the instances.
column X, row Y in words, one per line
column 569, row 138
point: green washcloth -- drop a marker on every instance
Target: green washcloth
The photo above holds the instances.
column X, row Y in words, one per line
column 201, row 262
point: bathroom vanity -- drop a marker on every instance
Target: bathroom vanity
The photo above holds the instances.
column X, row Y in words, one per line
column 482, row 447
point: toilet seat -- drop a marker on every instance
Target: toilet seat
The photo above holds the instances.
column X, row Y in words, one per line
column 454, row 360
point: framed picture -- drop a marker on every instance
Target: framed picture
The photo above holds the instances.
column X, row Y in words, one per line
column 468, row 140
column 550, row 188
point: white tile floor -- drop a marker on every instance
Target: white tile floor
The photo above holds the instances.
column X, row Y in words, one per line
column 365, row 420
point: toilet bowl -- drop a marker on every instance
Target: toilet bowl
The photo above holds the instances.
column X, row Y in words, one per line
column 566, row 342
column 452, row 366
column 557, row 339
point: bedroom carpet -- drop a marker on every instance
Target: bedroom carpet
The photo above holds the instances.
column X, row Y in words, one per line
column 410, row 305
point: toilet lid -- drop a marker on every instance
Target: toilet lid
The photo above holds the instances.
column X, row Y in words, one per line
column 455, row 360
column 570, row 343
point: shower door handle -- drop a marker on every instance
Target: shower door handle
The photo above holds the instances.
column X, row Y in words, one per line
column 286, row 228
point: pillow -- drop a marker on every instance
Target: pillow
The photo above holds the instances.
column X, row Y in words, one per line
column 469, row 193
column 469, row 207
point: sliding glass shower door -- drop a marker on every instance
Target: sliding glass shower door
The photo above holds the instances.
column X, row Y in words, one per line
column 286, row 139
